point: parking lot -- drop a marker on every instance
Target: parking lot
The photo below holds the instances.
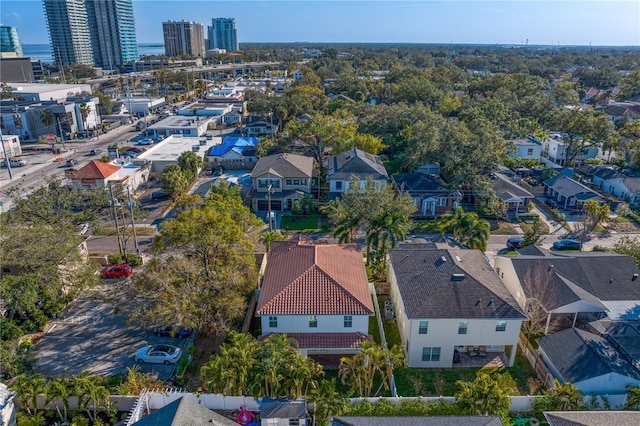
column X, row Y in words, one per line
column 92, row 335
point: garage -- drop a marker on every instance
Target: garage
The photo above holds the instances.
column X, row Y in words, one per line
column 276, row 205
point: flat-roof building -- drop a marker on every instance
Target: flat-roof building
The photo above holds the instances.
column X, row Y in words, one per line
column 167, row 152
column 183, row 125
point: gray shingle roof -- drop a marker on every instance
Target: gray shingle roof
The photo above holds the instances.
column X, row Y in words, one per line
column 606, row 276
column 355, row 163
column 579, row 355
column 184, row 412
column 592, row 418
column 568, row 187
column 506, row 189
column 419, row 185
column 418, row 421
column 450, row 283
column 284, row 166
column 283, row 408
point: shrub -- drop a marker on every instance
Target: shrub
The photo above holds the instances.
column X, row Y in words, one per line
column 8, row 330
column 131, row 259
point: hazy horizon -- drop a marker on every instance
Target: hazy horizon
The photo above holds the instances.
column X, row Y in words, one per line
column 473, row 22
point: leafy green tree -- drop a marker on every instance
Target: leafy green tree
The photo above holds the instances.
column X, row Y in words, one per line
column 175, row 180
column 46, row 116
column 633, row 398
column 629, row 246
column 466, row 228
column 85, row 110
column 562, row 397
column 533, row 233
column 486, row 396
column 579, row 126
column 594, row 214
column 137, row 381
column 59, row 391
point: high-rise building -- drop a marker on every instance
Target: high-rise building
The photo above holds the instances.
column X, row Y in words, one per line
column 10, row 41
column 183, row 38
column 69, row 31
column 113, row 32
column 223, row 34
column 92, row 32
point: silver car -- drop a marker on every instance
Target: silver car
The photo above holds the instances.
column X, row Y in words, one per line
column 158, row 354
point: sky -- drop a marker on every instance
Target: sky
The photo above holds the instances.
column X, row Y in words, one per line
column 557, row 22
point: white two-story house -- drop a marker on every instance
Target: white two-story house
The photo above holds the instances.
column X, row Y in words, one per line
column 355, row 163
column 451, row 306
column 318, row 294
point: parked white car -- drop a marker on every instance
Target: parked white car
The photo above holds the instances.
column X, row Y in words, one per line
column 14, row 163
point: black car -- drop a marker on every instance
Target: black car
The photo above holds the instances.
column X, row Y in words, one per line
column 515, row 243
column 566, row 245
column 159, row 195
column 173, row 331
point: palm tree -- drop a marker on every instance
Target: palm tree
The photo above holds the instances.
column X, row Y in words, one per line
column 566, row 397
column 58, row 390
column 85, row 110
column 633, row 398
column 466, row 228
column 28, row 389
column 327, row 402
column 486, row 395
column 270, row 236
column 46, row 116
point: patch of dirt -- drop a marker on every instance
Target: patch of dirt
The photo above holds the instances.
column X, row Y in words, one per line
column 205, row 346
column 621, row 226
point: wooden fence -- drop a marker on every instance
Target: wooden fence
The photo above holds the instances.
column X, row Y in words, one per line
column 536, row 362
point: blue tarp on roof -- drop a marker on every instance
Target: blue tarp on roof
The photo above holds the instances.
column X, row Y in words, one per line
column 229, row 143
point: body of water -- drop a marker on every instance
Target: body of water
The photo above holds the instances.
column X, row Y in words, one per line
column 43, row 51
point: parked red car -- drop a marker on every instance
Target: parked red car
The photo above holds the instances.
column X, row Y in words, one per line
column 116, row 271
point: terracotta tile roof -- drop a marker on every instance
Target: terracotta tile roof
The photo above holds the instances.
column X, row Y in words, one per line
column 326, row 340
column 97, row 170
column 306, row 278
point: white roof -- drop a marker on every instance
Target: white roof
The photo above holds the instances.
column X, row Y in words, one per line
column 171, row 148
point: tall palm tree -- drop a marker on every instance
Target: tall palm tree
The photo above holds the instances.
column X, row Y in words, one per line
column 28, row 389
column 466, row 228
column 85, row 110
column 327, row 402
column 46, row 116
column 58, row 391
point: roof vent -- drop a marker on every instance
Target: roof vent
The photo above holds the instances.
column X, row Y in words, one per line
column 444, row 259
column 458, row 277
column 635, row 277
column 490, row 302
column 478, row 302
column 458, row 259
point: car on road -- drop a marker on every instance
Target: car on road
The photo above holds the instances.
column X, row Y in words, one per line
column 95, row 151
column 72, row 162
column 158, row 354
column 159, row 195
column 14, row 163
column 146, row 142
column 173, row 331
column 116, row 271
column 566, row 245
column 515, row 243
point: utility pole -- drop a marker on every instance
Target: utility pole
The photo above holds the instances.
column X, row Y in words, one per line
column 115, row 217
column 133, row 224
column 6, row 158
column 269, row 206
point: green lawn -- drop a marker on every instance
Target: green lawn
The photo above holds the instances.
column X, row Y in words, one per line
column 442, row 381
column 374, row 330
column 309, row 223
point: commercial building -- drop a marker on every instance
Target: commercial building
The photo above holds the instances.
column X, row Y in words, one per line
column 223, row 34
column 183, row 38
column 11, row 147
column 92, row 32
column 69, row 31
column 167, row 152
column 17, row 70
column 113, row 32
column 10, row 41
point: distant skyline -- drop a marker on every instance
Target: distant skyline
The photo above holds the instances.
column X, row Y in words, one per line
column 559, row 22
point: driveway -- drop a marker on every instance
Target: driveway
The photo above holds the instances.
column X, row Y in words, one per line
column 93, row 335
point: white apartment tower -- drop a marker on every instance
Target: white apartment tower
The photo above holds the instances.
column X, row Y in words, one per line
column 183, row 38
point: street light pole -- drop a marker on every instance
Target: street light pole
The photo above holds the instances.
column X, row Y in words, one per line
column 115, row 217
column 133, row 224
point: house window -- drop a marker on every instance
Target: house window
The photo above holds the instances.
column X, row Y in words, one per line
column 442, row 201
column 313, row 321
column 296, row 182
column 501, row 326
column 530, row 151
column 273, row 322
column 424, row 327
column 462, row 327
column 338, row 185
column 303, row 182
column 348, row 321
column 294, row 422
column 289, row 182
column 431, row 354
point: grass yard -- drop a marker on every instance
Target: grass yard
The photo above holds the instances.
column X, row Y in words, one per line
column 307, row 224
column 544, row 228
column 442, row 381
column 502, row 228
